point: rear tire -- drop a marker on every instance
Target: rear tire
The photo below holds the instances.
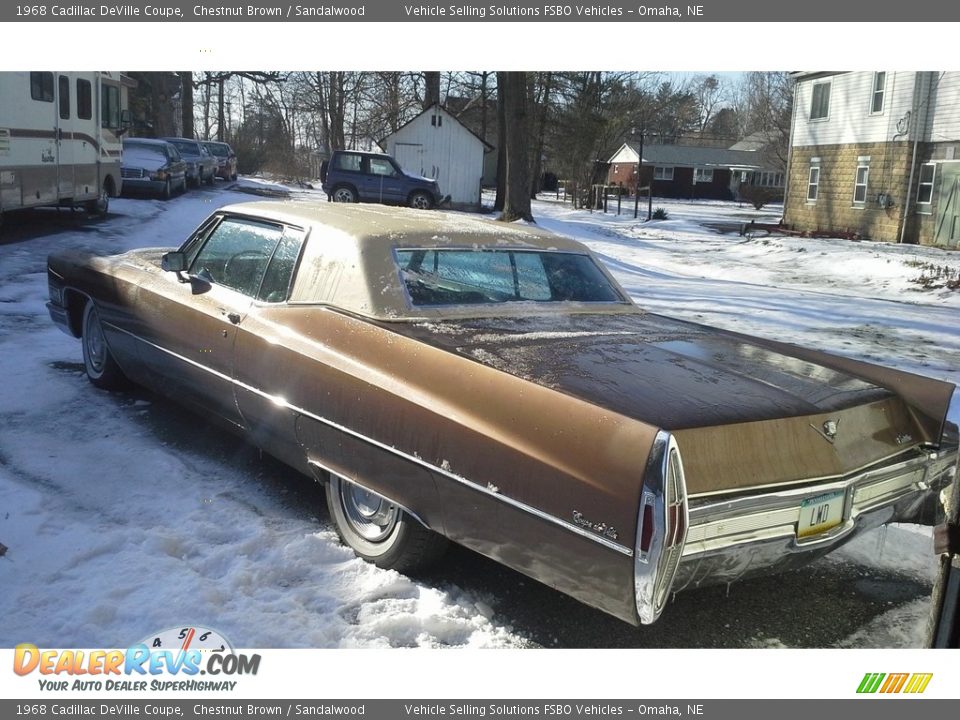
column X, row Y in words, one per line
column 101, row 205
column 344, row 194
column 102, row 370
column 379, row 531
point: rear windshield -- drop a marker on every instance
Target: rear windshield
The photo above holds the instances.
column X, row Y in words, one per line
column 472, row 277
column 217, row 149
column 185, row 146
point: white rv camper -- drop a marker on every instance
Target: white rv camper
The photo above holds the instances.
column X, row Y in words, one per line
column 60, row 138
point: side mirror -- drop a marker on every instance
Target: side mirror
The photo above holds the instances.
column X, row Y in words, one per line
column 175, row 262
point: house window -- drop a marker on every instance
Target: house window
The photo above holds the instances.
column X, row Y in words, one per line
column 925, row 188
column 663, row 173
column 860, row 184
column 820, row 105
column 702, row 175
column 879, row 89
column 63, row 86
column 41, row 86
column 813, row 183
column 84, row 99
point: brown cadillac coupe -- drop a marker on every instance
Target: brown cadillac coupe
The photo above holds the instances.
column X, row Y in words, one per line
column 454, row 378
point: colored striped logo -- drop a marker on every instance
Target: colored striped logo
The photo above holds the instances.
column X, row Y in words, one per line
column 894, row 682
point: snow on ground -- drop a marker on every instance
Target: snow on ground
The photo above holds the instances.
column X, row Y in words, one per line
column 114, row 532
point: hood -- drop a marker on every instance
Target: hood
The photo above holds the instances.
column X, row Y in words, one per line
column 420, row 178
column 145, row 159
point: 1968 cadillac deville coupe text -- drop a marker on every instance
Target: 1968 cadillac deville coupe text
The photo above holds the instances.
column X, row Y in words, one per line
column 456, row 378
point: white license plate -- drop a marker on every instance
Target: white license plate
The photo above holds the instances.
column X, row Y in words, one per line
column 821, row 513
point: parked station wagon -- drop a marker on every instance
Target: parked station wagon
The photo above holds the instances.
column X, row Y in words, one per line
column 456, row 379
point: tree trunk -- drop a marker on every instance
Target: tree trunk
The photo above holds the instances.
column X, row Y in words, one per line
column 221, row 120
column 516, row 204
column 501, row 150
column 206, row 108
column 546, row 81
column 186, row 103
column 162, row 110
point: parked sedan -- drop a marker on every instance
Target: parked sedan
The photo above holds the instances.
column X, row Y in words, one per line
column 154, row 166
column 226, row 159
column 201, row 165
column 452, row 378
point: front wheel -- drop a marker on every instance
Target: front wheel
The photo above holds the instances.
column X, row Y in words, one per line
column 379, row 531
column 102, row 369
column 421, row 201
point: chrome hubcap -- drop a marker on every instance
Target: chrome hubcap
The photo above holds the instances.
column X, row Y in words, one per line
column 95, row 342
column 369, row 515
column 343, row 196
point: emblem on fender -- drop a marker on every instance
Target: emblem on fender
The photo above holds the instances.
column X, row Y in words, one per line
column 600, row 528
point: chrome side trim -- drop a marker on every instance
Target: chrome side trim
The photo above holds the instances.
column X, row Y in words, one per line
column 281, row 402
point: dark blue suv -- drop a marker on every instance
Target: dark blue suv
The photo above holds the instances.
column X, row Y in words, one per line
column 352, row 176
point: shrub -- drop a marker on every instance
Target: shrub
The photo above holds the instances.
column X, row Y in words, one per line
column 757, row 196
column 660, row 214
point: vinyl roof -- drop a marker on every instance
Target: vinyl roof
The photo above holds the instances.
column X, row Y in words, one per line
column 406, row 227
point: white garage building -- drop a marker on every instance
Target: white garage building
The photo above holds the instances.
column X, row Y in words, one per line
column 437, row 145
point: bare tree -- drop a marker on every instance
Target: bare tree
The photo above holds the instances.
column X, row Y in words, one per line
column 764, row 103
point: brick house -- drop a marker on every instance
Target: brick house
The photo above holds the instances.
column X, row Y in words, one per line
column 876, row 154
column 690, row 171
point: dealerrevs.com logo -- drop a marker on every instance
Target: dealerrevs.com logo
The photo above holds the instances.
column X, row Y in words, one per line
column 889, row 683
column 181, row 653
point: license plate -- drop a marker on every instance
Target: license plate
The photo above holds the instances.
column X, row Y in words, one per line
column 821, row 513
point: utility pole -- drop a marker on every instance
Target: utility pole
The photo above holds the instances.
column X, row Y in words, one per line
column 636, row 186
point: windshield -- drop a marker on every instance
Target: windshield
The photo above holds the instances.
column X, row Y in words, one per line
column 138, row 151
column 470, row 277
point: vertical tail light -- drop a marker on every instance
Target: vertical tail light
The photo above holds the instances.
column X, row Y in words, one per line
column 661, row 528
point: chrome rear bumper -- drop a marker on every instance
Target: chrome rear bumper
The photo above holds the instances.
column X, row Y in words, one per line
column 732, row 538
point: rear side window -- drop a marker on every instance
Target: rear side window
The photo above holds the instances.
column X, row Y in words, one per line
column 346, row 161
column 84, row 100
column 41, row 86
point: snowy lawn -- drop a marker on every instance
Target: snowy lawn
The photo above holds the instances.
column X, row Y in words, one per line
column 116, row 528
